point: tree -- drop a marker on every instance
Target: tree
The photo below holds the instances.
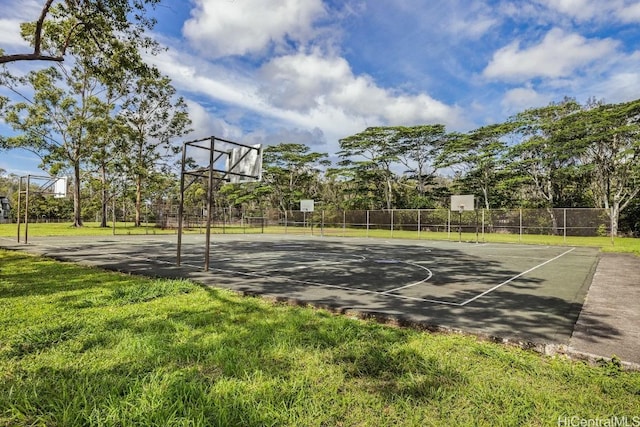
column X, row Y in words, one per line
column 152, row 118
column 105, row 23
column 55, row 123
column 610, row 139
column 479, row 158
column 61, row 121
column 290, row 171
column 417, row 148
column 372, row 153
column 543, row 156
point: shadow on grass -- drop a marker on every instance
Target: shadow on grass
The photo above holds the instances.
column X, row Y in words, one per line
column 158, row 354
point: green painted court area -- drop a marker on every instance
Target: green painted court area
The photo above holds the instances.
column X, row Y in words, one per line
column 515, row 292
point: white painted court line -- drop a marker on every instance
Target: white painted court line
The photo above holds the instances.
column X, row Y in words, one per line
column 515, row 277
column 387, row 293
column 326, row 285
column 266, row 276
column 429, row 276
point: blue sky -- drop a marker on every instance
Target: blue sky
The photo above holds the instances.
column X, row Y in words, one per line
column 314, row 71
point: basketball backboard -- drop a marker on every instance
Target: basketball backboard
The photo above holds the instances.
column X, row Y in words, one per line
column 60, row 187
column 462, row 203
column 306, row 205
column 244, row 164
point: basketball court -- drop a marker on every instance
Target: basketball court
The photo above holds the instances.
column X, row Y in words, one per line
column 514, row 292
column 523, row 293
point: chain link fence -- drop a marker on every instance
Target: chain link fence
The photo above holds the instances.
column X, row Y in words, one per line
column 407, row 223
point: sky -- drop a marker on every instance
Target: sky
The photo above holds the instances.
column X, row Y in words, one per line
column 315, row 71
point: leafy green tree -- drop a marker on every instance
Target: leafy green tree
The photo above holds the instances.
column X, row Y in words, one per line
column 152, row 117
column 106, row 24
column 370, row 155
column 61, row 120
column 290, row 171
column 609, row 136
column 108, row 135
column 8, row 183
column 543, row 155
column 478, row 157
column 55, row 123
column 249, row 196
column 417, row 149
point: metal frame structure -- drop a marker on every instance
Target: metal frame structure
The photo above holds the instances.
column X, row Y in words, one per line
column 50, row 182
column 216, row 153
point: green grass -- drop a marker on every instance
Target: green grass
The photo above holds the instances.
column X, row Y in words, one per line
column 618, row 244
column 81, row 346
column 89, row 229
column 606, row 244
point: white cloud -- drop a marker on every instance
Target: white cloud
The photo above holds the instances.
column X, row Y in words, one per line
column 204, row 125
column 305, row 82
column 620, row 82
column 300, row 81
column 630, row 13
column 471, row 20
column 521, row 98
column 620, row 87
column 557, row 55
column 577, row 9
column 15, row 13
column 316, row 99
column 10, row 34
column 479, row 26
column 222, row 28
column 594, row 10
column 310, row 138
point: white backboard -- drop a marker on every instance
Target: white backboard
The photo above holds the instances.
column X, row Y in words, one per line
column 462, row 203
column 306, row 205
column 245, row 161
column 60, row 187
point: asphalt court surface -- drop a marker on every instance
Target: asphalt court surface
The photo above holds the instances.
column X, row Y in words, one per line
column 515, row 292
column 433, row 273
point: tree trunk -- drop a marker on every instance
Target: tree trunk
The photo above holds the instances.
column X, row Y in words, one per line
column 103, row 197
column 485, row 193
column 138, row 200
column 554, row 221
column 77, row 211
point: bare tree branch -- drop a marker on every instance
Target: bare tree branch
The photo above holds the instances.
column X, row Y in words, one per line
column 29, row 57
column 36, row 55
column 39, row 24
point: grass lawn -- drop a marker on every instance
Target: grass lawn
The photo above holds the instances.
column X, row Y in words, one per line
column 81, row 346
column 89, row 229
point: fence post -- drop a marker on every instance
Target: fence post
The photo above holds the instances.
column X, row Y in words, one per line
column 391, row 229
column 520, row 233
column 322, row 225
column 418, row 224
column 286, row 222
column 344, row 222
column 483, row 225
column 613, row 242
column 449, row 224
column 367, row 222
column 564, row 224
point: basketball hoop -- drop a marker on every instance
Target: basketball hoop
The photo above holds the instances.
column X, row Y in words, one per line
column 462, row 203
column 238, row 164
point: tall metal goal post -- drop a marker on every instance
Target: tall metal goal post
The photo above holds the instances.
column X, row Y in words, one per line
column 225, row 160
column 46, row 185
